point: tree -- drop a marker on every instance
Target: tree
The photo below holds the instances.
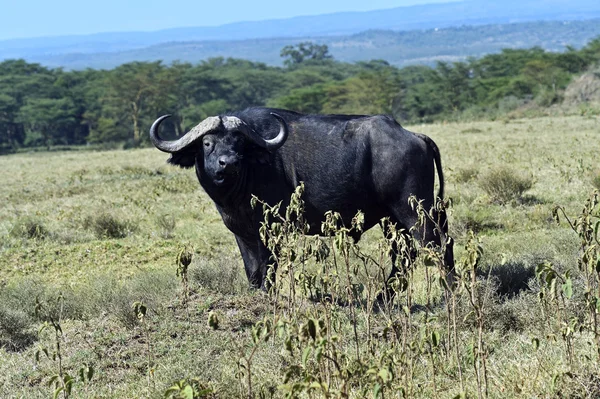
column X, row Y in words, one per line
column 308, row 100
column 46, row 120
column 20, row 81
column 369, row 92
column 133, row 89
column 454, row 85
column 12, row 133
column 591, row 52
column 303, row 52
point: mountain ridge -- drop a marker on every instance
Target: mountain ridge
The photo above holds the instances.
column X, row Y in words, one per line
column 51, row 50
column 397, row 48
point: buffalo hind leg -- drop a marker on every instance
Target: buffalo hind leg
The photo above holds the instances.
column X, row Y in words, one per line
column 435, row 232
column 428, row 234
column 405, row 254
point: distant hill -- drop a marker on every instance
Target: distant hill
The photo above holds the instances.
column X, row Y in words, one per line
column 398, row 48
column 253, row 38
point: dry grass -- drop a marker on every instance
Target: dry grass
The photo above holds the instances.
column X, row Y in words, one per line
column 101, row 277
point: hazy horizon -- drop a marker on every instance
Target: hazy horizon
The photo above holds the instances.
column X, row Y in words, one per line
column 68, row 17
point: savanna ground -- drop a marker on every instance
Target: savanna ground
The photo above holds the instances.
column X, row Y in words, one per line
column 89, row 244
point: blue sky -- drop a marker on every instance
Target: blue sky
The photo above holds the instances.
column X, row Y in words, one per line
column 35, row 18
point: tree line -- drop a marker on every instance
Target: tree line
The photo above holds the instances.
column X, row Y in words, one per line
column 43, row 107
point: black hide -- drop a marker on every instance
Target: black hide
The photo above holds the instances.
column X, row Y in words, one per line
column 347, row 163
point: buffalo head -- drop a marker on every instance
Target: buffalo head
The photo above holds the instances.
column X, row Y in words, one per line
column 218, row 145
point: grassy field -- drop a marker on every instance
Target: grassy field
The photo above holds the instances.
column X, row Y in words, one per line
column 86, row 235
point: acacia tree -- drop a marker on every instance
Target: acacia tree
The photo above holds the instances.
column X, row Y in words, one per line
column 367, row 93
column 20, row 81
column 46, row 120
column 133, row 89
column 11, row 132
column 453, row 85
column 304, row 51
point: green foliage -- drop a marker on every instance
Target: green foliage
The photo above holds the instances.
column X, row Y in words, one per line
column 304, row 52
column 369, row 92
column 188, row 389
column 504, row 185
column 41, row 107
column 308, row 100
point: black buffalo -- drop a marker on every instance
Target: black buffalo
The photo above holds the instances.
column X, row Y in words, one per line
column 347, row 163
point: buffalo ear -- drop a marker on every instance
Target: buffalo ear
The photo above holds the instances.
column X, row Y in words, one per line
column 183, row 159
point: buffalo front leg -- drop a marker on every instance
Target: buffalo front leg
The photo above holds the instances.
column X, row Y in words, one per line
column 256, row 262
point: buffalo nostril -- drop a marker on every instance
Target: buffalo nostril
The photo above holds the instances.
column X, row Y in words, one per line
column 222, row 161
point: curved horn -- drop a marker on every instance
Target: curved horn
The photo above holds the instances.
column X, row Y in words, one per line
column 235, row 123
column 189, row 138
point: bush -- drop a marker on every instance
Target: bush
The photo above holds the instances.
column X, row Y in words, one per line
column 137, row 171
column 510, row 103
column 166, row 223
column 222, row 274
column 106, row 225
column 107, row 295
column 15, row 328
column 596, row 181
column 465, row 175
column 504, row 185
column 29, row 228
column 476, row 220
column 546, row 98
column 101, row 295
column 22, row 294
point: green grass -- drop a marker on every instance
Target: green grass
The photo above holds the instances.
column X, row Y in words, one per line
column 105, row 228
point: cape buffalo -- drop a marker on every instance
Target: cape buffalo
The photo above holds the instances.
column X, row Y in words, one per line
column 347, row 163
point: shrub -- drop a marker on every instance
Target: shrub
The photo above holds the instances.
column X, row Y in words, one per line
column 596, row 181
column 15, row 328
column 546, row 98
column 504, row 185
column 476, row 220
column 29, row 228
column 510, row 103
column 472, row 130
column 107, row 225
column 166, row 223
column 220, row 274
column 464, row 175
column 108, row 295
column 101, row 294
column 137, row 171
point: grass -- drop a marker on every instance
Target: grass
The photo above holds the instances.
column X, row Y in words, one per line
column 104, row 229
